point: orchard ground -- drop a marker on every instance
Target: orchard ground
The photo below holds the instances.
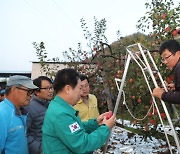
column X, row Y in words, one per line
column 125, row 142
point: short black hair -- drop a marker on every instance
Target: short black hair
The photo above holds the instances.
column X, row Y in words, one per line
column 7, row 90
column 83, row 77
column 39, row 80
column 172, row 45
column 67, row 76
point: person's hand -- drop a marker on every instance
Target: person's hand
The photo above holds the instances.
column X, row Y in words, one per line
column 101, row 117
column 109, row 122
column 157, row 92
column 170, row 86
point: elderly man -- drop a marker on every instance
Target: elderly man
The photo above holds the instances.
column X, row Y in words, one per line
column 37, row 109
column 19, row 90
column 63, row 131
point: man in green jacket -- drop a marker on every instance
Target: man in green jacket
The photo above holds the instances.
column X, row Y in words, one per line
column 63, row 131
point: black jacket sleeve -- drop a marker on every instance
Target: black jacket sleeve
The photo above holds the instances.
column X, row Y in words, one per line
column 170, row 96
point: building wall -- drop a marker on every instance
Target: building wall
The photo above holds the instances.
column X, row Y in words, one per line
column 54, row 67
column 37, row 70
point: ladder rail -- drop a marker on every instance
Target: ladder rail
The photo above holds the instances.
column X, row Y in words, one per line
column 146, row 65
column 143, row 71
column 176, row 138
column 119, row 96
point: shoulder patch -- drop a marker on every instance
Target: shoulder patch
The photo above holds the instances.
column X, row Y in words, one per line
column 74, row 127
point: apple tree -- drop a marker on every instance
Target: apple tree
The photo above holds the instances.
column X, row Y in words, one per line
column 162, row 19
column 103, row 62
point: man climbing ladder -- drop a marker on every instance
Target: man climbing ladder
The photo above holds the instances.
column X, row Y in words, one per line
column 140, row 57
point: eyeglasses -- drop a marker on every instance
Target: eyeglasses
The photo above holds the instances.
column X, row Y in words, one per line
column 29, row 91
column 85, row 86
column 166, row 58
column 47, row 88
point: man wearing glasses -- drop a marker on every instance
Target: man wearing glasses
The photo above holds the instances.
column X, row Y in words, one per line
column 87, row 105
column 19, row 90
column 170, row 53
column 37, row 109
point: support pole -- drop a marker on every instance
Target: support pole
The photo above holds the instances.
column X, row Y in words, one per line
column 119, row 96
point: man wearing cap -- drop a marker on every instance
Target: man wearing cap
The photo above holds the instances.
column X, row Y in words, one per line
column 19, row 90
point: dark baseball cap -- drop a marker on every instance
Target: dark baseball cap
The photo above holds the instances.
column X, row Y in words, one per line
column 21, row 80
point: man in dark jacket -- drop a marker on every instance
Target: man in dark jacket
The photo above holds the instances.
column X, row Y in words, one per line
column 170, row 53
column 37, row 109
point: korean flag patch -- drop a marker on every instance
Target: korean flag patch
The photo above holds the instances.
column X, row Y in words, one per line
column 74, row 127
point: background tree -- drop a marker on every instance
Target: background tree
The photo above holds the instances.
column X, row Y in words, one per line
column 43, row 59
column 162, row 18
column 95, row 58
column 103, row 62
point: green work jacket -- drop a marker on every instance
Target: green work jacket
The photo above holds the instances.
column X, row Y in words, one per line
column 64, row 133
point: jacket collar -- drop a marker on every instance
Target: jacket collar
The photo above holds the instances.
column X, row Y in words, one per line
column 18, row 112
column 65, row 104
column 81, row 100
column 43, row 102
column 176, row 65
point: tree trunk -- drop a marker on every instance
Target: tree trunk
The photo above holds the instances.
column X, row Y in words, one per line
column 107, row 91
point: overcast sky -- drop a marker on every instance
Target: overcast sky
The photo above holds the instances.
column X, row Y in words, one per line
column 57, row 24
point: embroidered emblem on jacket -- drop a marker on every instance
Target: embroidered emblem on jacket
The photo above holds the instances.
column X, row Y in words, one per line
column 74, row 127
